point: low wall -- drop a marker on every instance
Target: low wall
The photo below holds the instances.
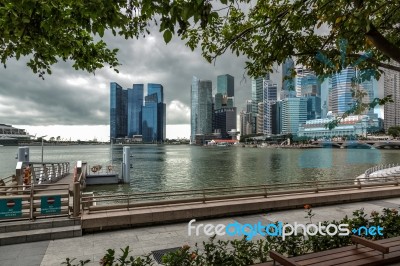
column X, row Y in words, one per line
column 144, row 216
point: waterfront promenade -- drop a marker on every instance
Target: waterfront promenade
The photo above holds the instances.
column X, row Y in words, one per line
column 143, row 240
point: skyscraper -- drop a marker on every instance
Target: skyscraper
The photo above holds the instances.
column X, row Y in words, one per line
column 118, row 111
column 287, row 80
column 294, row 113
column 150, row 118
column 270, row 96
column 201, row 108
column 226, row 85
column 341, row 96
column 135, row 102
column 154, row 114
column 392, row 87
column 257, row 92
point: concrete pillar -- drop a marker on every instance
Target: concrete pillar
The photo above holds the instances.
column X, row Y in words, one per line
column 76, row 199
column 126, row 164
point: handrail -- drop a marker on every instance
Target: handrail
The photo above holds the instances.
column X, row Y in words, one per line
column 129, row 200
column 377, row 168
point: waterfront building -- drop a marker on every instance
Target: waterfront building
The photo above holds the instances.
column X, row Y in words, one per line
column 226, row 85
column 201, row 108
column 260, row 118
column 225, row 121
column 392, row 87
column 118, row 111
column 135, row 102
column 218, row 98
column 294, row 113
column 276, row 113
column 10, row 135
column 270, row 96
column 357, row 125
column 150, row 119
column 257, row 91
column 341, row 96
column 307, row 83
column 313, row 107
column 246, row 127
column 154, row 114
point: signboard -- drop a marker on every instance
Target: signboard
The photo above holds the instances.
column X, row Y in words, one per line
column 50, row 204
column 10, row 208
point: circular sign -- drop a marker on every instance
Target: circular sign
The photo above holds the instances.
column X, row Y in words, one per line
column 10, row 203
column 50, row 200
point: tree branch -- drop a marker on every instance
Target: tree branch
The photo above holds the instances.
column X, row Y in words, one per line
column 382, row 44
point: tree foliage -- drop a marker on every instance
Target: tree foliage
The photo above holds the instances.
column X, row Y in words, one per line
column 394, row 131
column 265, row 32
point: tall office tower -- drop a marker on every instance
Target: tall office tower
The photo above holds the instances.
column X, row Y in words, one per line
column 249, row 107
column 201, row 108
column 257, row 85
column 294, row 113
column 307, row 83
column 341, row 96
column 392, row 87
column 225, row 121
column 158, row 89
column 260, row 118
column 226, row 85
column 287, row 81
column 218, row 101
column 277, row 118
column 135, row 102
column 154, row 102
column 369, row 87
column 245, row 123
column 270, row 96
column 150, row 118
column 118, row 112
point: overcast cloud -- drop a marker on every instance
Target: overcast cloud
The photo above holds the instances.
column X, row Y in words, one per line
column 70, row 97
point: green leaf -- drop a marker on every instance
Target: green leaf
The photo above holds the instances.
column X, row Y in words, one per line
column 167, row 36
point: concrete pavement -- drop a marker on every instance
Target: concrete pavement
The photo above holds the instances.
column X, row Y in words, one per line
column 144, row 240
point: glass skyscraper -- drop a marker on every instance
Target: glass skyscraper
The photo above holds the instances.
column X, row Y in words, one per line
column 154, row 114
column 225, row 85
column 341, row 96
column 149, row 118
column 294, row 113
column 118, row 111
column 287, row 81
column 270, row 96
column 135, row 102
column 201, row 108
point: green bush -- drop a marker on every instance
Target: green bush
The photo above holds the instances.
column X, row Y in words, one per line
column 242, row 252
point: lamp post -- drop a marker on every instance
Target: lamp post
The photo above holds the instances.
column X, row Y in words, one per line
column 42, row 145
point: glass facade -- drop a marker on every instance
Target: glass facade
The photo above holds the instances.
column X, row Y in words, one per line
column 201, row 114
column 270, row 96
column 287, row 81
column 149, row 119
column 158, row 89
column 294, row 113
column 135, row 102
column 225, row 85
column 341, row 96
column 118, row 111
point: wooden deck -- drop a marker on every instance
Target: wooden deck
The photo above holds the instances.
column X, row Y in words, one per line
column 349, row 256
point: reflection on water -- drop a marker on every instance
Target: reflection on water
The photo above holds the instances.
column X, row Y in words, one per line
column 172, row 167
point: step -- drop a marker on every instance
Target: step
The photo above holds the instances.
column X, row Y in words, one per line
column 40, row 235
column 16, row 226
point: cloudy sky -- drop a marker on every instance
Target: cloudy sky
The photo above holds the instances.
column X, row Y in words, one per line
column 75, row 104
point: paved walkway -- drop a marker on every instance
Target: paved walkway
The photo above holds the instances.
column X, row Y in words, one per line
column 146, row 239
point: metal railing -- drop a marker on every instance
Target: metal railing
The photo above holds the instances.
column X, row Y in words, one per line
column 371, row 170
column 34, row 201
column 45, row 173
column 142, row 199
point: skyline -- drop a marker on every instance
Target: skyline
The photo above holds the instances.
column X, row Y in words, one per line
column 70, row 98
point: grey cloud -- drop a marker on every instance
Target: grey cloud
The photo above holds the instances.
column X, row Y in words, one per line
column 69, row 97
